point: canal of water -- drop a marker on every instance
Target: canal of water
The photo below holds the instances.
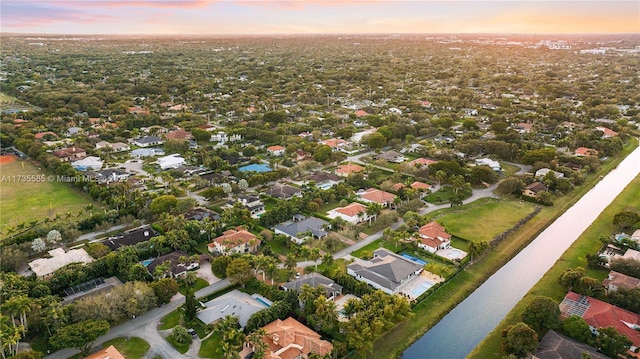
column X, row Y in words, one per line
column 468, row 323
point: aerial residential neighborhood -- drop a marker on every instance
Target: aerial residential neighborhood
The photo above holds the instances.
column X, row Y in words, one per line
column 314, row 196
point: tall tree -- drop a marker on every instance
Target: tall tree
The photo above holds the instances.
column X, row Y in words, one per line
column 519, row 339
column 541, row 314
column 190, row 305
column 80, row 335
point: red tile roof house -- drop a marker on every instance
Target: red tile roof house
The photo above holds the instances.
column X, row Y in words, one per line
column 353, row 213
column 290, row 339
column 361, row 113
column 233, row 241
column 433, row 237
column 276, row 150
column 599, row 314
column 334, row 143
column 373, row 195
column 346, row 170
column 617, row 280
column 419, row 162
column 70, row 154
column 178, row 135
column 584, row 151
column 608, row 133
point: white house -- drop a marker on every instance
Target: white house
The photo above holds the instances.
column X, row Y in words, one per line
column 353, row 213
column 495, row 165
column 543, row 172
column 433, row 237
column 88, row 163
column 276, row 150
column 171, row 161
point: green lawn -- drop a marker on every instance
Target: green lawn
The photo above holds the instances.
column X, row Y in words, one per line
column 482, row 220
column 130, row 348
column 210, row 347
column 575, row 256
column 444, row 195
column 509, row 169
column 170, row 320
column 199, row 284
column 28, row 201
column 180, row 347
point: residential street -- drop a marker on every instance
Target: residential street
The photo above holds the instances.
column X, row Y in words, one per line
column 145, row 327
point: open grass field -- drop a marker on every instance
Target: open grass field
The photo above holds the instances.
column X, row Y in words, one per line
column 575, row 256
column 22, row 201
column 130, row 348
column 482, row 220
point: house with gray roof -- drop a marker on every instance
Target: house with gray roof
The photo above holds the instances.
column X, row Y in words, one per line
column 147, row 141
column 299, row 228
column 386, row 271
column 315, row 280
column 234, row 303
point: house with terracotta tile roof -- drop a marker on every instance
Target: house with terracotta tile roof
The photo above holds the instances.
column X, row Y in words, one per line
column 361, row 113
column 607, row 132
column 70, row 154
column 178, row 135
column 398, row 186
column 617, row 280
column 346, row 170
column 290, row 339
column 40, row 135
column 433, row 237
column 107, row 353
column 420, row 186
column 233, row 241
column 599, row 314
column 374, row 195
column 335, row 143
column 585, row 151
column 276, row 150
column 353, row 213
column 419, row 162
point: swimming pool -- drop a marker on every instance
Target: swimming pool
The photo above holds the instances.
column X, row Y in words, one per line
column 414, row 259
column 421, row 289
column 146, row 262
column 262, row 300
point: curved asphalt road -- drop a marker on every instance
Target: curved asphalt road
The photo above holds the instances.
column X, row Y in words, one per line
column 146, row 327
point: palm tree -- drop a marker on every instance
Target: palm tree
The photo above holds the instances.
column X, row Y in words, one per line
column 290, row 262
column 440, row 176
column 314, row 255
column 326, row 311
column 256, row 339
column 306, row 297
column 272, row 269
column 457, row 183
column 374, row 210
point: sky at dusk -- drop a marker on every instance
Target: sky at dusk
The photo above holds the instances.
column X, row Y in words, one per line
column 316, row 16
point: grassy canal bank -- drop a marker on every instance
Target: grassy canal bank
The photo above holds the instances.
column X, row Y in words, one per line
column 445, row 298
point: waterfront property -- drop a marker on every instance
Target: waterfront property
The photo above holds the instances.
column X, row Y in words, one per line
column 386, row 271
column 599, row 314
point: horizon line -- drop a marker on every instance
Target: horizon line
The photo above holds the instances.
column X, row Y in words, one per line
column 2, row 33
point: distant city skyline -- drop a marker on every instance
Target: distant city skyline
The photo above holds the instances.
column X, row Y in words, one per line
column 166, row 17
